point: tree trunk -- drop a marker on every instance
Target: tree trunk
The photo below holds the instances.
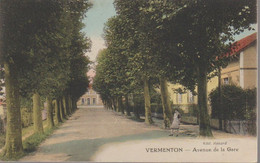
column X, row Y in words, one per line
column 106, row 104
column 37, row 114
column 70, row 104
column 198, row 116
column 114, row 103
column 147, row 102
column 136, row 111
column 167, row 111
column 57, row 111
column 75, row 105
column 65, row 106
column 60, row 110
column 127, row 106
column 111, row 104
column 120, row 105
column 220, row 115
column 204, row 122
column 13, row 143
column 117, row 104
column 63, row 116
column 50, row 121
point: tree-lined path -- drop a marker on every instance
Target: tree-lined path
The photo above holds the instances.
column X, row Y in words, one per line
column 97, row 134
column 44, row 47
column 86, row 131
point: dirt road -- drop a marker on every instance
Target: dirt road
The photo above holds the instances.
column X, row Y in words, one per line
column 96, row 134
column 86, row 131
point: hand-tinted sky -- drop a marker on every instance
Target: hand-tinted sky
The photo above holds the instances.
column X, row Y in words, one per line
column 100, row 12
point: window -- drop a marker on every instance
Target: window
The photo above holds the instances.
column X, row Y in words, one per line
column 191, row 97
column 226, row 81
column 179, row 98
column 88, row 101
column 82, row 100
column 94, row 101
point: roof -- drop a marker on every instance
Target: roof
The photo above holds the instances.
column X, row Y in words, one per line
column 240, row 45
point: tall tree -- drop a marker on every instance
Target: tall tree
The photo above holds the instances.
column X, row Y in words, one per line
column 136, row 48
column 36, row 37
column 202, row 30
column 12, row 43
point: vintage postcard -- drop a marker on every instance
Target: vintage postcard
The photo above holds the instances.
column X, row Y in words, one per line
column 128, row 80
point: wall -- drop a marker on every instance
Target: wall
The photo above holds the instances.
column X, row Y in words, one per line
column 249, row 67
column 231, row 72
column 186, row 103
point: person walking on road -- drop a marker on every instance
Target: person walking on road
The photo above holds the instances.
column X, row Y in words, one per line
column 175, row 123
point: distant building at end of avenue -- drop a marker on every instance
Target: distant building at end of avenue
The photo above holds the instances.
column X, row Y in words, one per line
column 90, row 98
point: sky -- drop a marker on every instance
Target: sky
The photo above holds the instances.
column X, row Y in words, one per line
column 98, row 15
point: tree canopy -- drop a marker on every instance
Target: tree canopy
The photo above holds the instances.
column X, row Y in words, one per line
column 177, row 41
column 43, row 53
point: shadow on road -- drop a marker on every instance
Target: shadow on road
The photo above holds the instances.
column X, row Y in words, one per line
column 83, row 150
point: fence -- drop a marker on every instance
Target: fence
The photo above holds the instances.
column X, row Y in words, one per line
column 234, row 126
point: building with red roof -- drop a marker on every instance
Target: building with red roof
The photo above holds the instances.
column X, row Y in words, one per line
column 242, row 44
column 242, row 69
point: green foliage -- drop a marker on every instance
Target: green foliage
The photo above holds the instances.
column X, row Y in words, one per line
column 27, row 117
column 200, row 34
column 31, row 143
column 27, row 111
column 43, row 48
column 26, row 102
column 251, row 112
column 2, row 140
column 61, row 46
column 47, row 45
column 155, row 96
column 237, row 104
column 139, row 103
column 156, row 108
column 156, row 101
column 193, row 110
